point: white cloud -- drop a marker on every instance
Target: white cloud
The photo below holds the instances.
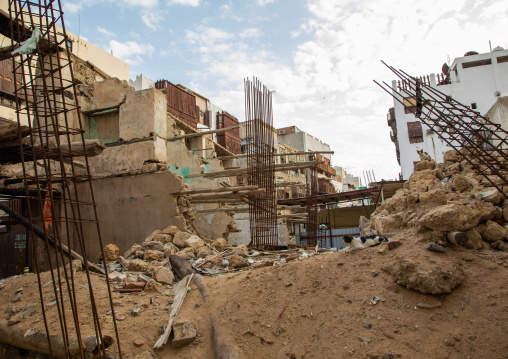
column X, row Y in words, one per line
column 264, row 2
column 105, row 32
column 192, row 3
column 152, row 19
column 150, row 4
column 71, row 7
column 131, row 52
column 252, row 32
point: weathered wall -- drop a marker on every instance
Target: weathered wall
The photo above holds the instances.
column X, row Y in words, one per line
column 243, row 237
column 498, row 113
column 130, row 208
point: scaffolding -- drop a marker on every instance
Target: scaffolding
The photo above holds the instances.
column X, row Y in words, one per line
column 482, row 143
column 47, row 96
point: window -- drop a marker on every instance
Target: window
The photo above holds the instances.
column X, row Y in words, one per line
column 466, row 65
column 409, row 105
column 473, row 106
column 414, row 131
column 502, row 59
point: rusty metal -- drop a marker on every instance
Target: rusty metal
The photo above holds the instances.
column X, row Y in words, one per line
column 46, row 98
column 482, row 143
column 312, row 234
column 260, row 143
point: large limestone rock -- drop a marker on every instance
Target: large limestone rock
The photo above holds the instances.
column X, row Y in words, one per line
column 425, row 165
column 137, row 265
column 388, row 225
column 194, row 242
column 164, row 275
column 132, row 250
column 486, row 209
column 492, row 195
column 153, row 255
column 427, row 276
column 435, row 196
column 154, row 245
column 492, row 232
column 111, row 252
column 235, row 261
column 180, row 237
column 460, row 183
column 241, row 250
column 171, row 230
column 422, row 181
column 474, row 240
column 152, row 236
column 220, row 244
column 452, row 156
column 451, row 217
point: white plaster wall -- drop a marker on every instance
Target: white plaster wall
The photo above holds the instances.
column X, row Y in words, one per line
column 243, row 237
column 472, row 85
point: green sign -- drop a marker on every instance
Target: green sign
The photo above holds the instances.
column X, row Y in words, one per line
column 21, row 237
column 20, row 245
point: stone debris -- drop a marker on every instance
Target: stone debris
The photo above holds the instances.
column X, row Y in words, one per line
column 184, row 334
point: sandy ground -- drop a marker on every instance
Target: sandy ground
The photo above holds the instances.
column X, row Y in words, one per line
column 329, row 311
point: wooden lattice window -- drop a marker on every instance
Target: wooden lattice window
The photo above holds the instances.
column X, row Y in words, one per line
column 415, row 132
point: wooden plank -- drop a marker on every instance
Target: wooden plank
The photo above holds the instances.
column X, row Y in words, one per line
column 220, row 189
column 226, row 195
column 181, row 289
column 199, row 134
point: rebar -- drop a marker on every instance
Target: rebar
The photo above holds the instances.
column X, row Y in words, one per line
column 482, row 143
column 47, row 96
column 260, row 143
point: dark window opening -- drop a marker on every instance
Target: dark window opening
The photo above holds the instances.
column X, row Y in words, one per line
column 415, row 132
column 467, row 65
column 502, row 59
column 473, row 106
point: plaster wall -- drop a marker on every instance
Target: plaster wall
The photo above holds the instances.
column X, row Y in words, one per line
column 129, row 209
column 243, row 237
column 142, row 83
column 479, row 85
column 499, row 114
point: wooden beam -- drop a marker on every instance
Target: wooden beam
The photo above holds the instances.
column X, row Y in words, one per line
column 224, row 200
column 241, row 171
column 220, row 189
column 225, row 195
column 277, row 154
column 203, row 133
column 289, row 184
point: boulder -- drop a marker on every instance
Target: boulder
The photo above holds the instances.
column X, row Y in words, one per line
column 139, row 254
column 153, row 286
column 153, row 255
column 427, row 276
column 163, row 238
column 241, row 250
column 153, row 245
column 164, row 275
column 425, row 165
column 450, row 218
column 220, row 243
column 152, row 236
column 388, row 225
column 422, row 181
column 435, row 196
column 183, row 334
column 203, row 252
column 452, row 169
column 460, row 183
column 137, row 265
column 171, row 230
column 486, row 209
column 492, row 232
column 189, row 251
column 132, row 250
column 491, row 194
column 194, row 242
column 505, row 210
column 152, row 266
column 474, row 240
column 179, row 239
column 182, row 254
column 111, row 252
column 235, row 261
column 452, row 156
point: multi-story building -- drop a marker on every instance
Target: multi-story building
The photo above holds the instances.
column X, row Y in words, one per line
column 475, row 80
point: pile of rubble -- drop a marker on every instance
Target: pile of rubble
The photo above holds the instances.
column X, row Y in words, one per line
column 442, row 199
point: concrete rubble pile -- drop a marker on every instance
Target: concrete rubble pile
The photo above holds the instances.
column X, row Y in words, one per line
column 442, row 208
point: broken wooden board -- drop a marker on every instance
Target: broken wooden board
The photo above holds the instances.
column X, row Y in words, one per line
column 181, row 289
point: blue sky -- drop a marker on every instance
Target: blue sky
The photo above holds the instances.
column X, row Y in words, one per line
column 320, row 56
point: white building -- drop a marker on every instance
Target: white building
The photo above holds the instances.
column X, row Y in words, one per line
column 475, row 80
column 142, row 83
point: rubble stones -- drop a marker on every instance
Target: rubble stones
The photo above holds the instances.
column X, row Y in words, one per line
column 474, row 240
column 153, row 286
column 184, row 334
column 179, row 239
column 451, row 217
column 152, row 236
column 241, row 250
column 171, row 230
column 137, row 265
column 436, row 196
column 388, row 225
column 132, row 251
column 452, row 156
column 422, row 181
column 365, row 226
column 111, row 252
column 425, row 165
column 505, row 210
column 235, row 261
column 427, row 276
column 492, row 232
column 203, row 252
column 139, row 254
column 221, row 244
column 117, row 277
column 194, row 242
column 153, row 255
column 492, row 195
column 164, row 275
column 487, row 210
column 163, row 238
column 152, row 266
column 158, row 246
column 134, row 285
column 460, row 183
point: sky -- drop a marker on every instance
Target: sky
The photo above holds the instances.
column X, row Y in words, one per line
column 319, row 56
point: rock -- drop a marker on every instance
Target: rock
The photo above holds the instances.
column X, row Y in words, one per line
column 15, row 318
column 216, row 262
column 194, row 242
column 503, row 247
column 182, row 254
column 139, row 254
column 491, row 194
column 111, row 252
column 425, row 165
column 154, row 245
column 137, row 265
column 435, row 196
column 163, row 238
column 134, row 285
column 152, row 266
column 189, row 251
column 203, row 252
column 422, row 181
column 452, row 169
column 179, row 239
column 505, row 210
column 427, row 276
column 394, row 244
column 171, row 230
column 452, row 156
column 235, row 261
column 139, row 342
column 451, row 217
column 492, row 232
column 365, row 226
column 388, row 225
column 474, row 239
column 117, row 277
column 435, row 248
column 132, row 250
column 152, row 255
column 184, row 334
column 460, row 183
column 152, row 236
column 164, row 275
column 430, row 303
column 486, row 209
column 241, row 250
column 153, row 286
column 220, row 244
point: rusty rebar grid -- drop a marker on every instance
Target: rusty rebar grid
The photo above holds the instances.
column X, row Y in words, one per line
column 482, row 143
column 49, row 96
column 260, row 163
column 312, row 235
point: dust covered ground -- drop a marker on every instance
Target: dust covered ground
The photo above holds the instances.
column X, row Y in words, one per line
column 330, row 310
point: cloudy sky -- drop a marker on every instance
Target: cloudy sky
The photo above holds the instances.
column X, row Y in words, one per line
column 320, row 56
